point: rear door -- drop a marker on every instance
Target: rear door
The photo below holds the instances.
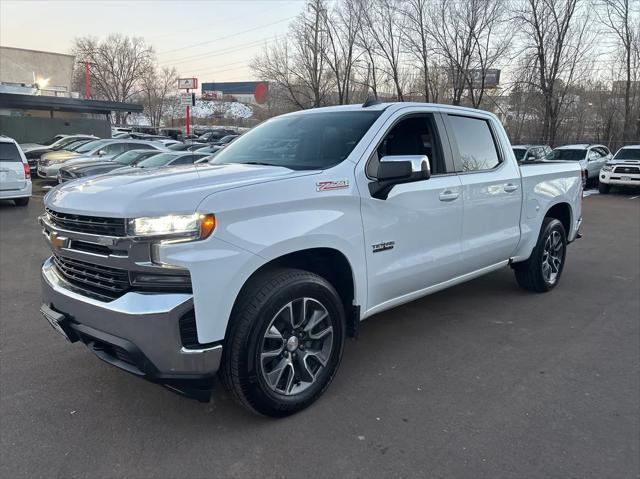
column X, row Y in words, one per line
column 491, row 191
column 11, row 168
column 596, row 158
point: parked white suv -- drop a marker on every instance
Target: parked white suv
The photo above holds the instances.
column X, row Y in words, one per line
column 15, row 176
column 261, row 262
column 622, row 170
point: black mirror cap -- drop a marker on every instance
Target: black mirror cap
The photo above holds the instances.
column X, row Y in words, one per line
column 391, row 173
column 394, row 170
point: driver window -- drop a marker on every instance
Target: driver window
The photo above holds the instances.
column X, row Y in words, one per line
column 415, row 135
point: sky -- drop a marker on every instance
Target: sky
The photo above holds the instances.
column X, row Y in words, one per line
column 208, row 39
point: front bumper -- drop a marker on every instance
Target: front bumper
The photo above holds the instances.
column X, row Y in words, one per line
column 137, row 332
column 619, row 179
column 49, row 172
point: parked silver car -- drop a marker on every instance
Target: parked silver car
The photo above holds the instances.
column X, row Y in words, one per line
column 95, row 150
column 591, row 157
column 531, row 152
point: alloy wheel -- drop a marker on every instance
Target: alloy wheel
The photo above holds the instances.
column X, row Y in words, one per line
column 552, row 257
column 296, row 346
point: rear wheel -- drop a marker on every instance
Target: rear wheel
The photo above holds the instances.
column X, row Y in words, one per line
column 21, row 201
column 542, row 271
column 604, row 188
column 284, row 342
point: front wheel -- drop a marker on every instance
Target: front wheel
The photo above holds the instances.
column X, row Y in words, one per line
column 21, row 201
column 542, row 271
column 603, row 188
column 284, row 342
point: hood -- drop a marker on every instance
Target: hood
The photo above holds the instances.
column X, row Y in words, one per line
column 27, row 147
column 623, row 162
column 133, row 192
column 85, row 160
column 60, row 155
column 78, row 166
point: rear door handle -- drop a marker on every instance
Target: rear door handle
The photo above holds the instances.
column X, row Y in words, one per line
column 449, row 195
column 510, row 187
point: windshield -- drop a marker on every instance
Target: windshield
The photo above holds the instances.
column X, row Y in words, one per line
column 567, row 155
column 90, row 146
column 76, row 144
column 160, row 159
column 51, row 140
column 64, row 143
column 519, row 152
column 127, row 157
column 628, row 154
column 301, row 142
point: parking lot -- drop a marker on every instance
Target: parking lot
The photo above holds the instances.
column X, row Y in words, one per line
column 481, row 380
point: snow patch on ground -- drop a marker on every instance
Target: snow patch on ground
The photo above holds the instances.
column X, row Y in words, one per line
column 226, row 109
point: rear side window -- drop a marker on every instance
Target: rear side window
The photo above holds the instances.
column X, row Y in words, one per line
column 476, row 146
column 9, row 152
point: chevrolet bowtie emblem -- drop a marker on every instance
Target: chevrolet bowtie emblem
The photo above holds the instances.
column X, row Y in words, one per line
column 57, row 242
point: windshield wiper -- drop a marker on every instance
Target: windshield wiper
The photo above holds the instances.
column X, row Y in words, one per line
column 257, row 163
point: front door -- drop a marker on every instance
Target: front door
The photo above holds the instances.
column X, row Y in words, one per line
column 412, row 238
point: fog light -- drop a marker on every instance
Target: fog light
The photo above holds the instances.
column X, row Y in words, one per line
column 182, row 280
column 602, row 176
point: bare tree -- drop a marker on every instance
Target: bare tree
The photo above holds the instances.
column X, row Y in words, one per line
column 298, row 65
column 416, row 36
column 383, row 25
column 556, row 33
column 342, row 26
column 158, row 88
column 469, row 39
column 618, row 18
column 118, row 63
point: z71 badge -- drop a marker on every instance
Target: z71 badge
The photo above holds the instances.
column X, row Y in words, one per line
column 332, row 185
column 387, row 245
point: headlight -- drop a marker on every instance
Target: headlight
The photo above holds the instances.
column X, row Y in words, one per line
column 607, row 168
column 190, row 227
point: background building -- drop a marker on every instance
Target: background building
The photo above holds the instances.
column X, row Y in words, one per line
column 250, row 92
column 37, row 101
column 19, row 67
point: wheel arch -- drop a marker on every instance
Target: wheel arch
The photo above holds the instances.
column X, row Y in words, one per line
column 327, row 262
column 563, row 213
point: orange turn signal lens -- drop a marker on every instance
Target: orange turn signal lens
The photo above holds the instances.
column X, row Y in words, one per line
column 207, row 225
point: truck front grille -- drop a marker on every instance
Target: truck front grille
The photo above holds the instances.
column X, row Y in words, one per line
column 104, row 280
column 632, row 170
column 88, row 224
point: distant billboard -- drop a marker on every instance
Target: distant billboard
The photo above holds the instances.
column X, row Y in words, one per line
column 254, row 92
column 491, row 78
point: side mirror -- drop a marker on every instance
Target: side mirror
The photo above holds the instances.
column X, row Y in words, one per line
column 530, row 158
column 395, row 170
column 102, row 153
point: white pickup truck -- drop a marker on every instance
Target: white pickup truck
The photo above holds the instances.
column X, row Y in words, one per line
column 258, row 264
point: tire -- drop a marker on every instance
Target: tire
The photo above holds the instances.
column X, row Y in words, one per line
column 21, row 201
column 532, row 274
column 604, row 188
column 268, row 369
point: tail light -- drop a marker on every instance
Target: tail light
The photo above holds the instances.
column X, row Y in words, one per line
column 27, row 171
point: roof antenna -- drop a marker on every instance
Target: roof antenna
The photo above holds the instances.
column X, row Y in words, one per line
column 371, row 100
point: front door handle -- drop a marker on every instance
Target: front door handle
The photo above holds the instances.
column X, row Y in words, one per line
column 510, row 187
column 449, row 195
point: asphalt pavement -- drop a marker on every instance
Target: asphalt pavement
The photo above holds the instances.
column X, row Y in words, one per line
column 481, row 380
